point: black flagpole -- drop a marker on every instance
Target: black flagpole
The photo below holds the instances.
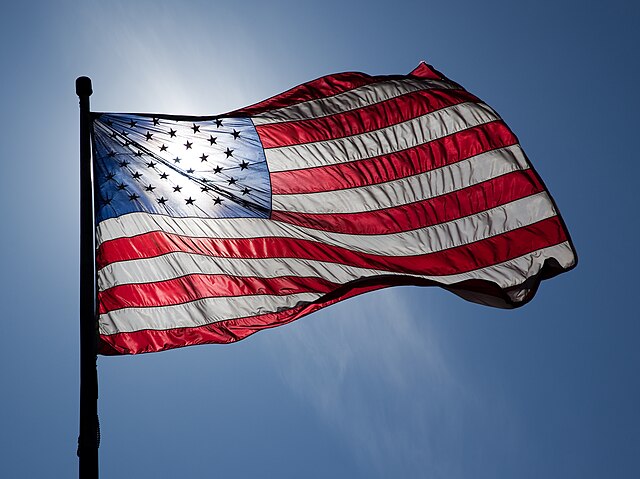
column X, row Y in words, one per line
column 89, row 428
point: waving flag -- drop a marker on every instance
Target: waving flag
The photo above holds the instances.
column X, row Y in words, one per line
column 209, row 229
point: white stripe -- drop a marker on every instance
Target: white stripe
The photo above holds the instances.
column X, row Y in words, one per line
column 170, row 266
column 196, row 313
column 430, row 239
column 138, row 223
column 350, row 100
column 410, row 243
column 407, row 190
column 384, row 141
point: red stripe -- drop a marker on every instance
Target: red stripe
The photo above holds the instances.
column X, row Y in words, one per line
column 361, row 120
column 320, row 88
column 237, row 329
column 424, row 70
column 459, row 203
column 428, row 156
column 450, row 261
column 200, row 286
column 221, row 332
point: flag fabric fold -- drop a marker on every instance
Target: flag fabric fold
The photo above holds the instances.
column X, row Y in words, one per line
column 209, row 229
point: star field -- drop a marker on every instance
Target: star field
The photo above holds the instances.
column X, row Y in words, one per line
column 189, row 168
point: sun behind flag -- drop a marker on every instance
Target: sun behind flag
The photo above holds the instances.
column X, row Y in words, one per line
column 209, row 229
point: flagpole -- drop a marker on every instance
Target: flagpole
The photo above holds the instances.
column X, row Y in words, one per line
column 88, row 439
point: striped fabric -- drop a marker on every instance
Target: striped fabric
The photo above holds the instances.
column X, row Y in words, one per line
column 212, row 228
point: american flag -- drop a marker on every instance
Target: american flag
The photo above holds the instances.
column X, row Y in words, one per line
column 209, row 229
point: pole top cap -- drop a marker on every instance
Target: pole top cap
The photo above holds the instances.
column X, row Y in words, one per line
column 83, row 86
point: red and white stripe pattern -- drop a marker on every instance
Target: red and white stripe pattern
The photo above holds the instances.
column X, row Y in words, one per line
column 375, row 181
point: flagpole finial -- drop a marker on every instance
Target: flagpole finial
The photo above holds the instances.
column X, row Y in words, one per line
column 83, row 86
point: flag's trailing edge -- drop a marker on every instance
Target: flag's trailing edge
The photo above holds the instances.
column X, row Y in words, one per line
column 209, row 229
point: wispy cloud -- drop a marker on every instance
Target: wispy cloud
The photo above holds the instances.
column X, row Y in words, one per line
column 379, row 376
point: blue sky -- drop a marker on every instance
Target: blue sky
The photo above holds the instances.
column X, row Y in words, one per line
column 407, row 382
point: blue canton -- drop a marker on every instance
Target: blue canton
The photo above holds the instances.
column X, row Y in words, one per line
column 212, row 168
